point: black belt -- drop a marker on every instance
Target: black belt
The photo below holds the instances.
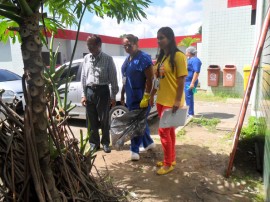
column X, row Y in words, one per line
column 96, row 87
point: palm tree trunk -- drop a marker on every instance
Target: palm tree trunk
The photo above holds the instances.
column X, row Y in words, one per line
column 35, row 116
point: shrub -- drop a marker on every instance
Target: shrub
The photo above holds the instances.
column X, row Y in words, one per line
column 255, row 127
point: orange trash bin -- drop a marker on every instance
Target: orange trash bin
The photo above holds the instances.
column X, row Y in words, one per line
column 229, row 74
column 213, row 75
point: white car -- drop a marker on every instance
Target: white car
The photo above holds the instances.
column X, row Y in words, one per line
column 75, row 90
column 12, row 84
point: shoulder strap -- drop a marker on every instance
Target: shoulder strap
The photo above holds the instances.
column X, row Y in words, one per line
column 159, row 65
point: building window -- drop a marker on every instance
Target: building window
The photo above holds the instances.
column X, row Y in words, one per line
column 46, row 58
column 253, row 17
column 74, row 71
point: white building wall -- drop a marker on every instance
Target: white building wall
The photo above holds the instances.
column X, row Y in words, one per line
column 11, row 57
column 154, row 51
column 81, row 49
column 5, row 56
column 113, row 49
column 66, row 49
column 199, row 50
column 228, row 39
column 62, row 47
column 17, row 61
column 151, row 51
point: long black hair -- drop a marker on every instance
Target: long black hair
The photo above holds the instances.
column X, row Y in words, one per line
column 169, row 34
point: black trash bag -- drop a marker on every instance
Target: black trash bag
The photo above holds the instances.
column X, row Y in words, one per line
column 128, row 126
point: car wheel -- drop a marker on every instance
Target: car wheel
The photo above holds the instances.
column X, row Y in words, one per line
column 117, row 111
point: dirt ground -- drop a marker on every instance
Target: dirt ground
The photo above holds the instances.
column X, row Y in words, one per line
column 202, row 159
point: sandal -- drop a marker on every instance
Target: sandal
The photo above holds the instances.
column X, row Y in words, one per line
column 160, row 163
column 163, row 171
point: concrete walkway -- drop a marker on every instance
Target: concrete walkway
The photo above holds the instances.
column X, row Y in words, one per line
column 227, row 112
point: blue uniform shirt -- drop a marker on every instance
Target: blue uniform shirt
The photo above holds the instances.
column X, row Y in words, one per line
column 194, row 65
column 133, row 70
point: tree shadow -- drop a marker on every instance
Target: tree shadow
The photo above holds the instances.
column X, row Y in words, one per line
column 246, row 160
column 77, row 122
column 198, row 176
column 218, row 115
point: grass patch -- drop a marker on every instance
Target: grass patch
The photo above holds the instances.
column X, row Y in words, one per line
column 228, row 136
column 202, row 96
column 215, row 97
column 181, row 133
column 208, row 123
column 227, row 95
column 255, row 127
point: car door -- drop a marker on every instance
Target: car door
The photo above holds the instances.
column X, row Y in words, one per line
column 75, row 89
column 118, row 61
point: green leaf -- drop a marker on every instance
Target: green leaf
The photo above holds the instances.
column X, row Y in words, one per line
column 5, row 33
column 188, row 41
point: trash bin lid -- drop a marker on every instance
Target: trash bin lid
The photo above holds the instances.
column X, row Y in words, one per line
column 247, row 68
column 213, row 66
column 229, row 66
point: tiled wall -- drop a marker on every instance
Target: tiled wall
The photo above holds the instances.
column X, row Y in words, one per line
column 228, row 39
column 263, row 106
column 263, row 109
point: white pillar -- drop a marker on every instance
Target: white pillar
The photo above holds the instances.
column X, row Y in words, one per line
column 259, row 22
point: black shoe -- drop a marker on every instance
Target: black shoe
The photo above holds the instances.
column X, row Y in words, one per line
column 94, row 147
column 106, row 149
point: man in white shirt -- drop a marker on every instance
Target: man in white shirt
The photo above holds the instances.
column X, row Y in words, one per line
column 98, row 71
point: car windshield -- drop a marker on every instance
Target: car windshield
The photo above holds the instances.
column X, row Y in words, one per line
column 6, row 75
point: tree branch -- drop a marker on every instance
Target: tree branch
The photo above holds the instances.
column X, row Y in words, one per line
column 16, row 29
column 25, row 8
column 9, row 8
column 35, row 5
column 11, row 16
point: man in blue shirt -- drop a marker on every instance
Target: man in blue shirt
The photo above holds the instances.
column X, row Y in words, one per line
column 194, row 68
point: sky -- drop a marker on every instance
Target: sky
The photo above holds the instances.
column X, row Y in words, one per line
column 183, row 16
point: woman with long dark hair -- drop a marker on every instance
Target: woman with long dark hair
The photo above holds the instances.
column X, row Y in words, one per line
column 170, row 70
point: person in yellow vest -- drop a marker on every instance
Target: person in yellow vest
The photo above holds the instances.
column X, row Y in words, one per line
column 170, row 70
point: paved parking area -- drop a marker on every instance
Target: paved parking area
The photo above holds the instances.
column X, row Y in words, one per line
column 227, row 112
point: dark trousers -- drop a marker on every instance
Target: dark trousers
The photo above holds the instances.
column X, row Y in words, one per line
column 97, row 108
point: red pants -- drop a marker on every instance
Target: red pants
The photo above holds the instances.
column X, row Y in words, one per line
column 167, row 138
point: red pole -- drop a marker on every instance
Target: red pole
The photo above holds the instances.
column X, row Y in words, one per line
column 254, row 68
